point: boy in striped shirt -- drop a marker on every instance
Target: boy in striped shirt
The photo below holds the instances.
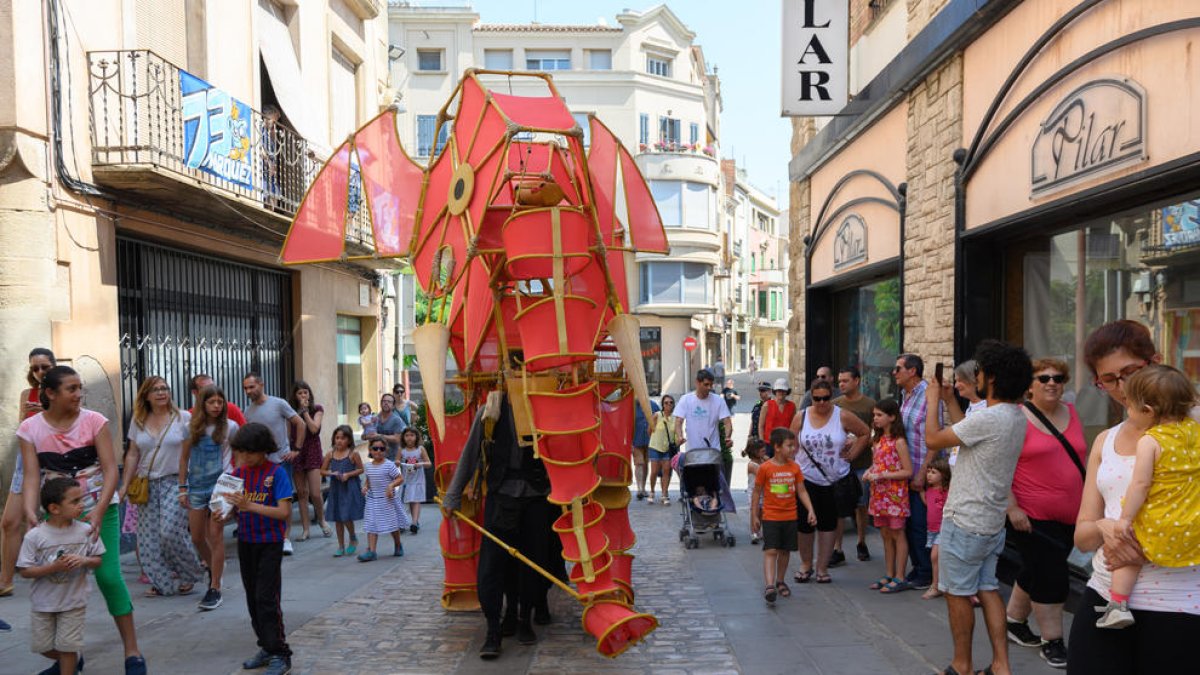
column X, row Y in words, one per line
column 263, row 508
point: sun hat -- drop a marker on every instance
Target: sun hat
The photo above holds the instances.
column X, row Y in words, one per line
column 781, row 384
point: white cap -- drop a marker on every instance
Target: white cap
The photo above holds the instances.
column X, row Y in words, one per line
column 781, row 384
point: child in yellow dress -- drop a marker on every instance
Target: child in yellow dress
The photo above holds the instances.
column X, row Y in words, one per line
column 1162, row 503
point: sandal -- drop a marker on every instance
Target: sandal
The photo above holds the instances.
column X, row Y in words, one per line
column 824, row 579
column 326, row 530
column 783, row 589
column 641, row 496
column 803, row 576
column 770, row 594
column 303, row 537
column 883, row 581
column 186, row 589
column 154, row 593
column 666, row 501
column 7, row 591
column 931, row 594
column 339, row 553
column 896, row 586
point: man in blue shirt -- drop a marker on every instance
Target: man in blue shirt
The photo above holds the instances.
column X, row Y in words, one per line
column 391, row 425
column 641, row 442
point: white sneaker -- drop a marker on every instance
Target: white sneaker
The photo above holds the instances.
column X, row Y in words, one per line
column 287, row 547
column 1116, row 615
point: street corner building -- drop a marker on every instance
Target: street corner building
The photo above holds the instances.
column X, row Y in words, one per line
column 1018, row 170
column 152, row 155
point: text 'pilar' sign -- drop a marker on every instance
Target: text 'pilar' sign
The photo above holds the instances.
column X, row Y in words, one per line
column 816, row 57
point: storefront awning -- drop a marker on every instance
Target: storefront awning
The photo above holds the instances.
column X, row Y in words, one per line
column 275, row 46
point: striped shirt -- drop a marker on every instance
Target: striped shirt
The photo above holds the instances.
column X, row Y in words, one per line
column 912, row 413
column 266, row 484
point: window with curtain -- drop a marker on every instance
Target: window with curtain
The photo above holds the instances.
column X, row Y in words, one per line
column 430, row 60
column 668, row 195
column 547, row 59
column 343, row 96
column 426, row 125
column 599, row 59
column 644, row 129
column 668, row 130
column 658, row 65
column 675, row 283
column 498, row 59
column 696, row 208
column 694, row 133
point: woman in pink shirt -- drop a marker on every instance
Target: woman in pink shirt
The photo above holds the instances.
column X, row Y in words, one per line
column 1042, row 507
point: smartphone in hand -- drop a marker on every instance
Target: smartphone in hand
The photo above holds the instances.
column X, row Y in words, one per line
column 937, row 372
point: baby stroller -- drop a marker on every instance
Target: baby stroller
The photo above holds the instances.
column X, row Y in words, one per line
column 706, row 497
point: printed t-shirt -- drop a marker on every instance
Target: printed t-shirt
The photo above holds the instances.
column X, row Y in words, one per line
column 991, row 444
column 266, row 484
column 71, row 452
column 1047, row 484
column 777, row 483
column 275, row 414
column 702, row 419
column 44, row 544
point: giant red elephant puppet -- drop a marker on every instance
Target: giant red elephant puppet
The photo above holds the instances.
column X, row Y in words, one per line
column 520, row 238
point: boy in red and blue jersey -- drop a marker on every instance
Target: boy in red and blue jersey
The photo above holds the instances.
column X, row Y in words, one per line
column 263, row 508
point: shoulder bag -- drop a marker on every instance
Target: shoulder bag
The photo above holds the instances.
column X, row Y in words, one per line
column 1067, row 447
column 847, row 490
column 138, row 491
column 672, row 446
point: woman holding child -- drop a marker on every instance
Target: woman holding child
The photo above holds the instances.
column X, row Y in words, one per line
column 1165, row 600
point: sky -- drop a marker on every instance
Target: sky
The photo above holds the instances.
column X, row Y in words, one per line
column 743, row 45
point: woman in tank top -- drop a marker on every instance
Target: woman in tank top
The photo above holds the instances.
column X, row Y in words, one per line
column 824, row 457
column 1166, row 601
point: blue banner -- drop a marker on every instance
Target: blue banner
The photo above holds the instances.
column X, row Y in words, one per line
column 216, row 132
column 1181, row 224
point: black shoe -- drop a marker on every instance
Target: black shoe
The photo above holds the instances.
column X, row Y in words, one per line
column 541, row 616
column 863, row 553
column 211, row 601
column 508, row 627
column 525, row 634
column 1054, row 652
column 837, row 558
column 257, row 661
column 1020, row 633
column 491, row 646
column 414, row 528
column 278, row 665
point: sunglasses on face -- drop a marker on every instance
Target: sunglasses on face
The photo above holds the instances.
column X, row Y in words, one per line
column 1045, row 379
column 378, row 448
column 897, row 369
column 821, row 399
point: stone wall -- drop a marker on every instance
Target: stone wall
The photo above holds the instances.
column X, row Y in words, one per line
column 934, row 132
column 920, row 13
column 799, row 226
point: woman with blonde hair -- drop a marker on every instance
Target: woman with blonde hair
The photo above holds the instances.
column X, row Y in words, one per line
column 156, row 438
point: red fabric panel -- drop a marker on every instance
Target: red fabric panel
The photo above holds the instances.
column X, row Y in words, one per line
column 466, row 119
column 645, row 224
column 426, row 239
column 392, row 183
column 616, row 426
column 560, row 168
column 543, row 112
column 477, row 319
column 318, row 231
column 458, row 427
column 602, row 165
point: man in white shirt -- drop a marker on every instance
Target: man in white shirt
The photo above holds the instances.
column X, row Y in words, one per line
column 703, row 415
column 972, row 534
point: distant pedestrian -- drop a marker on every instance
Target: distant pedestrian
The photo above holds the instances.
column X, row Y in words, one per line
column 384, row 512
column 263, row 506
column 641, row 447
column 972, row 535
column 367, row 420
column 343, row 466
column 778, row 487
column 889, row 475
column 1162, row 502
column 937, row 487
column 156, row 436
column 752, row 366
column 414, row 460
column 731, row 396
column 764, row 395
column 204, row 457
column 664, row 445
column 57, row 555
column 755, row 454
column 718, row 368
column 306, row 466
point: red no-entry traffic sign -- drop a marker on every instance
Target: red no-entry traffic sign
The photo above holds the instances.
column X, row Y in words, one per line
column 689, row 343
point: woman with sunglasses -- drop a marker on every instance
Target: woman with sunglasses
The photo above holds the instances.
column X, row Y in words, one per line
column 1166, row 600
column 12, row 523
column 661, row 440
column 1042, row 506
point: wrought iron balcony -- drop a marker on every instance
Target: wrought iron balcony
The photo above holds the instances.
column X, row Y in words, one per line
column 163, row 134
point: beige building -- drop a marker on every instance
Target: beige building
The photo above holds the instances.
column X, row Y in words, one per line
column 1020, row 170
column 646, row 78
column 152, row 153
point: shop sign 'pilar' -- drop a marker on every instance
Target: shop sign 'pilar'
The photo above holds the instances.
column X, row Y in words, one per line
column 816, row 57
column 1095, row 129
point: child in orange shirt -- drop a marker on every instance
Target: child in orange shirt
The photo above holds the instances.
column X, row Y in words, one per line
column 777, row 485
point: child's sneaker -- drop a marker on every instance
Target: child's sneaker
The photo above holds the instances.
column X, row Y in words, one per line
column 754, row 539
column 257, row 661
column 1020, row 633
column 278, row 665
column 1116, row 615
column 211, row 601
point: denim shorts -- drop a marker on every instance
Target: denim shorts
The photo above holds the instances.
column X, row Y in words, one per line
column 967, row 563
column 656, row 456
column 931, row 539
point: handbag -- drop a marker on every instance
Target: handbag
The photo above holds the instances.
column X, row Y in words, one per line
column 672, row 446
column 138, row 491
column 847, row 490
column 1067, row 447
